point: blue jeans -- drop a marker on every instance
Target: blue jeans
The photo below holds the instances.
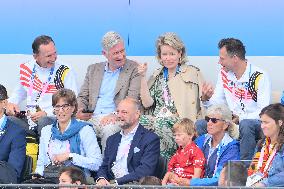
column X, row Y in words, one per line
column 250, row 133
column 201, row 127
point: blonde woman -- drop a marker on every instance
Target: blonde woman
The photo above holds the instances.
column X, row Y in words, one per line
column 172, row 92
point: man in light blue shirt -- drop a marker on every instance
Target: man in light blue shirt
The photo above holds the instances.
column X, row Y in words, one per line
column 106, row 84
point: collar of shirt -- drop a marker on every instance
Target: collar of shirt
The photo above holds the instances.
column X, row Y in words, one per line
column 110, row 71
column 57, row 124
column 130, row 134
column 1, row 122
column 244, row 78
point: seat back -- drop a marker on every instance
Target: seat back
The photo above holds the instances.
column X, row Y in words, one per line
column 161, row 168
column 27, row 169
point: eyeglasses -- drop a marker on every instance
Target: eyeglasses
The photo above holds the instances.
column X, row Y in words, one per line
column 64, row 107
column 213, row 119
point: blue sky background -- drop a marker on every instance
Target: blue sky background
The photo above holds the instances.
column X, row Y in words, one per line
column 78, row 25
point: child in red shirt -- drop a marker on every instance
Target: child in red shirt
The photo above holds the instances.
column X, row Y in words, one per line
column 188, row 161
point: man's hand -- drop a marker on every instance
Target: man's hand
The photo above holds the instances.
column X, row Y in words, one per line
column 102, row 182
column 12, row 108
column 142, row 69
column 36, row 116
column 109, row 119
column 83, row 116
column 207, row 91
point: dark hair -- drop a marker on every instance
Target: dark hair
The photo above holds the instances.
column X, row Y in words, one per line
column 41, row 40
column 276, row 112
column 233, row 47
column 235, row 173
column 75, row 173
column 3, row 93
column 150, row 180
column 68, row 95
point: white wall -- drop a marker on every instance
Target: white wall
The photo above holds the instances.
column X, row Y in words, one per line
column 208, row 65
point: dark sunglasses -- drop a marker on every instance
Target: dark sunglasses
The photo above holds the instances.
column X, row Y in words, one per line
column 213, row 119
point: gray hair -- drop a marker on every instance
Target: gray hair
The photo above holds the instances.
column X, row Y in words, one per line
column 173, row 40
column 110, row 39
column 226, row 114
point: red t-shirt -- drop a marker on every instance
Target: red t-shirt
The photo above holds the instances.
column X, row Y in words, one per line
column 185, row 160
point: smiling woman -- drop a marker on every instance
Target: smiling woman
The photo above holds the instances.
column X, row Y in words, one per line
column 68, row 141
column 171, row 93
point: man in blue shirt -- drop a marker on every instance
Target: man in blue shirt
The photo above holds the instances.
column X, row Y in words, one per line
column 106, row 84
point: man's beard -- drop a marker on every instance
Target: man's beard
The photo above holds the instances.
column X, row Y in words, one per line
column 124, row 125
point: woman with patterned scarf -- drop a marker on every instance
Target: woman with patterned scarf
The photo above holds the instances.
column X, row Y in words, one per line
column 68, row 141
column 267, row 167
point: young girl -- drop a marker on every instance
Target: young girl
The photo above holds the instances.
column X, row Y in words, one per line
column 188, row 161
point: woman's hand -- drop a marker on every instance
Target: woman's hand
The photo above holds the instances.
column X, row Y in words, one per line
column 60, row 158
column 142, row 69
column 257, row 185
column 207, row 91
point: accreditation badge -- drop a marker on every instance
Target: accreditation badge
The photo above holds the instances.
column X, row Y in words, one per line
column 164, row 112
column 254, row 178
column 31, row 109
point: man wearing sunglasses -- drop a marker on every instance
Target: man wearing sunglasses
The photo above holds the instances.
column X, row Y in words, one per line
column 245, row 88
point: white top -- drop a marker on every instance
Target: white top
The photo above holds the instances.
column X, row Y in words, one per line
column 62, row 76
column 245, row 97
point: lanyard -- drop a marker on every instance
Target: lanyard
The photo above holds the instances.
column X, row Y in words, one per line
column 219, row 146
column 166, row 95
column 271, row 157
column 45, row 85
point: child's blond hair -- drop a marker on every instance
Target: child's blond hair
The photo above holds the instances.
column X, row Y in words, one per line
column 186, row 125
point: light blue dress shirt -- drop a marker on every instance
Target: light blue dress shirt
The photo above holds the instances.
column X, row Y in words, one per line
column 105, row 103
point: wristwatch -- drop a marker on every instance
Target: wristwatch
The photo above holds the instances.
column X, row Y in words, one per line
column 70, row 158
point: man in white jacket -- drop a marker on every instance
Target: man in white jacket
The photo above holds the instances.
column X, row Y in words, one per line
column 38, row 80
column 245, row 88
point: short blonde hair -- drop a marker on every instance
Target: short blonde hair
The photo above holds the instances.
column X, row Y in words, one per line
column 110, row 39
column 226, row 114
column 185, row 125
column 173, row 40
